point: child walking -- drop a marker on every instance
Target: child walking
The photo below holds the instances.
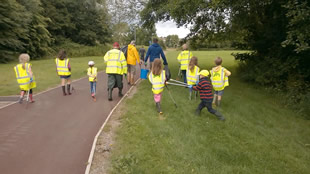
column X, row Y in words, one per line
column 63, row 69
column 158, row 78
column 192, row 74
column 25, row 77
column 205, row 89
column 92, row 74
column 219, row 78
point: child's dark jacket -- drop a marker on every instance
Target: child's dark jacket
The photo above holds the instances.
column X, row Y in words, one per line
column 205, row 89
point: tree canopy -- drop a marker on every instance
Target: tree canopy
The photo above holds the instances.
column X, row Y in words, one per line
column 276, row 31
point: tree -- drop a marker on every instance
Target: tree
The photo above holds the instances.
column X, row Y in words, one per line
column 12, row 28
column 172, row 41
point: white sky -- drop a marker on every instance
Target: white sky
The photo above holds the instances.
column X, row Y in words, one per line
column 164, row 29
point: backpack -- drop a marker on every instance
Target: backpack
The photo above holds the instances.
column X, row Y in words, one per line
column 124, row 50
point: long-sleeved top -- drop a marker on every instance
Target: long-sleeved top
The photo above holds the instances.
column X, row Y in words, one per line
column 132, row 55
column 205, row 89
column 155, row 51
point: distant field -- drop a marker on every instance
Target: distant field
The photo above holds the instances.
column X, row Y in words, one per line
column 45, row 73
column 259, row 135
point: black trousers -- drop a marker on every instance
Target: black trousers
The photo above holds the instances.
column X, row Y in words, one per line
column 208, row 105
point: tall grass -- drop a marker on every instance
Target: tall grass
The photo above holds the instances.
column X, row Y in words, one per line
column 259, row 135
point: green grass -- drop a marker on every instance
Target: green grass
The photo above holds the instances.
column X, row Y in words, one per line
column 259, row 135
column 45, row 73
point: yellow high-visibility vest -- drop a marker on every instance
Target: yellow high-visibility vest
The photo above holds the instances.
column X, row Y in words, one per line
column 62, row 67
column 158, row 82
column 219, row 80
column 116, row 62
column 192, row 77
column 23, row 77
column 184, row 58
column 92, row 71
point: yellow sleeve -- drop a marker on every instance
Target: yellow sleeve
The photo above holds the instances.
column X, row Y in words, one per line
column 179, row 57
column 191, row 55
column 106, row 56
column 227, row 73
column 136, row 55
column 124, row 63
column 88, row 72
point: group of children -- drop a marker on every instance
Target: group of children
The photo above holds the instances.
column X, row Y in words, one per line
column 196, row 80
column 26, row 81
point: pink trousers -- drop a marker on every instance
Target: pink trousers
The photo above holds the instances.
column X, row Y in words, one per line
column 157, row 97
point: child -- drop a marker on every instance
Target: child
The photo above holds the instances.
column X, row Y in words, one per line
column 63, row 69
column 205, row 89
column 157, row 78
column 219, row 78
column 24, row 77
column 92, row 73
column 192, row 74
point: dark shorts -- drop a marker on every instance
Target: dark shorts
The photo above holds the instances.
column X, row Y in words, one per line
column 65, row 77
column 220, row 93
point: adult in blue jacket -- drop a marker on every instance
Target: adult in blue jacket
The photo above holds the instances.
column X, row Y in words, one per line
column 155, row 51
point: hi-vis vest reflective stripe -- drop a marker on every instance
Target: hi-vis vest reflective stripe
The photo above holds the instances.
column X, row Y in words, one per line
column 62, row 67
column 115, row 63
column 184, row 59
column 158, row 82
column 219, row 80
column 92, row 71
column 192, row 77
column 23, row 77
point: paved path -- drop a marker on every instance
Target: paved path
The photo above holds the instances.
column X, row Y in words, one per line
column 54, row 135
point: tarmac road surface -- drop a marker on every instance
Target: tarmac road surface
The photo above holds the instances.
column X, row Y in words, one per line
column 54, row 135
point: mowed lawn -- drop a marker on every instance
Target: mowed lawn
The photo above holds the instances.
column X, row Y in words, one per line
column 259, row 135
column 45, row 73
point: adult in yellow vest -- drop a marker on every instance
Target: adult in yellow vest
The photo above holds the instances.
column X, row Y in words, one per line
column 157, row 77
column 63, row 69
column 25, row 77
column 132, row 59
column 116, row 68
column 92, row 77
column 184, row 58
column 219, row 79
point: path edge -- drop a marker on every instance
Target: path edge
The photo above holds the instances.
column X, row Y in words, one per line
column 92, row 152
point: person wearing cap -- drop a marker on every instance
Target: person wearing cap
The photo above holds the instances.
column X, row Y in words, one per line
column 183, row 58
column 205, row 90
column 92, row 77
column 116, row 68
column 132, row 59
column 155, row 52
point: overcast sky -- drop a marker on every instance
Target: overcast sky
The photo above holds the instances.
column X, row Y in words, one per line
column 164, row 29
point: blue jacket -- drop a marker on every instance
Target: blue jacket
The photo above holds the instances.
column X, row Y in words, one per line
column 155, row 51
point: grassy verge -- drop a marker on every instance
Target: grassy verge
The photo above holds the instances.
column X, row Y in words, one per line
column 259, row 136
column 45, row 73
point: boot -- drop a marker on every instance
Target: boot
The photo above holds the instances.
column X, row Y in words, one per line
column 31, row 99
column 219, row 116
column 158, row 108
column 198, row 112
column 21, row 98
column 120, row 92
column 68, row 89
column 110, row 94
column 64, row 90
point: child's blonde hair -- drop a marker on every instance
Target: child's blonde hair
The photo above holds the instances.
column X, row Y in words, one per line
column 218, row 61
column 24, row 58
column 192, row 63
column 157, row 67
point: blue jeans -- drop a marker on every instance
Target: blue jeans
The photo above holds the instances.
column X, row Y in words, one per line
column 92, row 87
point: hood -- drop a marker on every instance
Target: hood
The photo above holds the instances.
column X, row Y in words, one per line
column 217, row 68
column 130, row 47
column 155, row 45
